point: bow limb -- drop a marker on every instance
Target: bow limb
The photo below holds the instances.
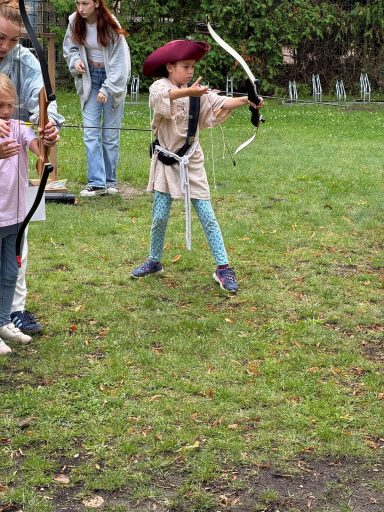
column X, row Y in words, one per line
column 251, row 82
column 232, row 52
column 46, row 95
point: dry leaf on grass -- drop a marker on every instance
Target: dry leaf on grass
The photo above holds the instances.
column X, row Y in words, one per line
column 62, row 479
column 94, row 502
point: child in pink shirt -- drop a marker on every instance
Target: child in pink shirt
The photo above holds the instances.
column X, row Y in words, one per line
column 13, row 181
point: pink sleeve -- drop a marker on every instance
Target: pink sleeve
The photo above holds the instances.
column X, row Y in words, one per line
column 27, row 135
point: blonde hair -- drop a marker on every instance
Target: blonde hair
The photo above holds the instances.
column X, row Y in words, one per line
column 7, row 86
column 9, row 9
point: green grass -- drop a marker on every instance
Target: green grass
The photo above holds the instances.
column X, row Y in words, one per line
column 135, row 384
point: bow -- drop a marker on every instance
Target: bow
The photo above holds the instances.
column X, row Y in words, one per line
column 251, row 84
column 46, row 95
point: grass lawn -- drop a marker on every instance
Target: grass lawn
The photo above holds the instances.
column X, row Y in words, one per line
column 166, row 394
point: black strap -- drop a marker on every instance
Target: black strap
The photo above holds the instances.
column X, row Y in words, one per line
column 193, row 122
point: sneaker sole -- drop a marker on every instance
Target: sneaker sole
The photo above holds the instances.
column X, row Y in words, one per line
column 94, row 195
column 221, row 284
column 31, row 331
column 146, row 275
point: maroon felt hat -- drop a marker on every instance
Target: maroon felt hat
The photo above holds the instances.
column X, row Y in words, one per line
column 180, row 49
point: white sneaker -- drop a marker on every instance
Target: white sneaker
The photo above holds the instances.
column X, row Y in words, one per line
column 112, row 191
column 93, row 191
column 11, row 333
column 4, row 349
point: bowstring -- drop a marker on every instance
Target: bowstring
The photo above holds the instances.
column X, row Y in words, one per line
column 224, row 142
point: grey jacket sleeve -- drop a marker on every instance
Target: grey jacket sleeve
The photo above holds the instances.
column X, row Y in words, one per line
column 71, row 51
column 118, row 68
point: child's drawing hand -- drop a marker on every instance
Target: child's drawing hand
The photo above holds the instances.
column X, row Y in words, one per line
column 4, row 128
column 198, row 90
column 9, row 148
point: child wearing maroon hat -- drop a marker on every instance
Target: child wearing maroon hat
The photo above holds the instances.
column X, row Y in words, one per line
column 177, row 165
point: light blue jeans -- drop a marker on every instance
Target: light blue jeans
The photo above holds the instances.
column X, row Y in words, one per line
column 8, row 271
column 102, row 146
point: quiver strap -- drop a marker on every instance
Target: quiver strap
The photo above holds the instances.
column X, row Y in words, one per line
column 194, row 112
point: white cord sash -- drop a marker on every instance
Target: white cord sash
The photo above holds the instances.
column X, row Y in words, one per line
column 183, row 162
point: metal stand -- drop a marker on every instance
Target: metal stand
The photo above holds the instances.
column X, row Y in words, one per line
column 365, row 88
column 229, row 86
column 135, row 87
column 292, row 90
column 340, row 91
column 316, row 88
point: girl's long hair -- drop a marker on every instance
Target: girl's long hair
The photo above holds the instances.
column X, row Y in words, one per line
column 108, row 29
column 9, row 9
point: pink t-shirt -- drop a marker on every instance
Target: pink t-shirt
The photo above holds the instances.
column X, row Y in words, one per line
column 14, row 176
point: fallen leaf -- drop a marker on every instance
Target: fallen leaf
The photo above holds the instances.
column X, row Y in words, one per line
column 176, row 258
column 252, row 368
column 155, row 397
column 27, row 422
column 209, row 393
column 62, row 479
column 95, row 502
column 193, row 446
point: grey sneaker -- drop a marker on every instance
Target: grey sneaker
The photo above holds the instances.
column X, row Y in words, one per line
column 93, row 192
column 147, row 268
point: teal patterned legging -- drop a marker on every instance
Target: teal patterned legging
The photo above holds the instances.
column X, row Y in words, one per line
column 161, row 210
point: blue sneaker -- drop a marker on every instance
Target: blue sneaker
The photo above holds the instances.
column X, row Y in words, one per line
column 226, row 279
column 26, row 322
column 147, row 268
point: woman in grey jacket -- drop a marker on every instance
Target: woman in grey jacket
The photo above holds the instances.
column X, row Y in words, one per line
column 98, row 57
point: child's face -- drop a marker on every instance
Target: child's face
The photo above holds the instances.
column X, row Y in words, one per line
column 181, row 72
column 7, row 105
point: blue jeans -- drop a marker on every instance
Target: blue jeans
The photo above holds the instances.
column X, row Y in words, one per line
column 8, row 271
column 102, row 146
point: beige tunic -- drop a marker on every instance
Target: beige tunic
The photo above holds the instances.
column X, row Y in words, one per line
column 170, row 126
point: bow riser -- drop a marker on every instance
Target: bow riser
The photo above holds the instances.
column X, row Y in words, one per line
column 43, row 120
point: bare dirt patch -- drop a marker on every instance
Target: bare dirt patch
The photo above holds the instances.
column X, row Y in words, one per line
column 308, row 485
column 126, row 191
